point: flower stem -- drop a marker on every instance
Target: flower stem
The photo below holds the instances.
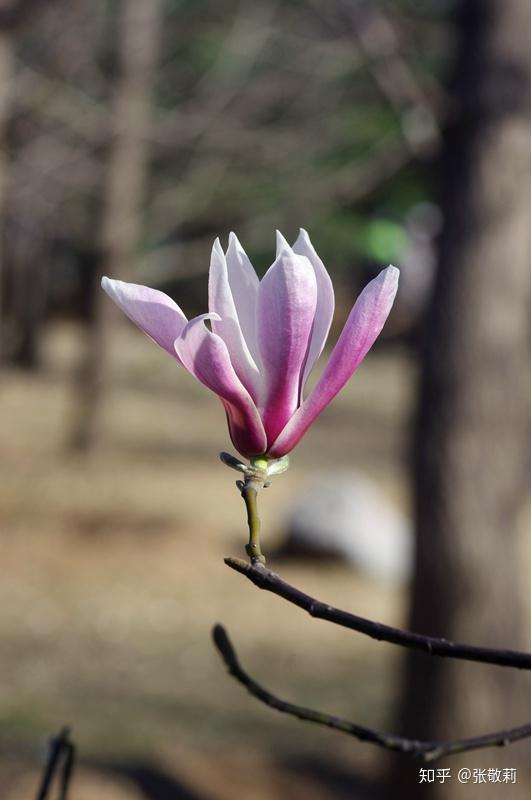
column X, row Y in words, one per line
column 249, row 490
column 257, row 475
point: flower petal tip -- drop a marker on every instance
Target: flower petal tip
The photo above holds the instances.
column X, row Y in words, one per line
column 112, row 287
column 392, row 272
column 201, row 318
column 235, row 249
column 282, row 244
column 388, row 279
column 217, row 248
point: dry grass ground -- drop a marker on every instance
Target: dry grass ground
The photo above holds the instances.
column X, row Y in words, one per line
column 113, row 575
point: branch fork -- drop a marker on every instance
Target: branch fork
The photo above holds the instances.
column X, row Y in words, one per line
column 256, row 477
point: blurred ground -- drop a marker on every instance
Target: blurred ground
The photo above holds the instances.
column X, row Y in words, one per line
column 113, row 576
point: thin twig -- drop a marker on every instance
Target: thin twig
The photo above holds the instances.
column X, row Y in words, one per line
column 68, row 768
column 271, row 582
column 60, row 747
column 426, row 750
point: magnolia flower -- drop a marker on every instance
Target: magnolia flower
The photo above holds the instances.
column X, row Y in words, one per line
column 264, row 338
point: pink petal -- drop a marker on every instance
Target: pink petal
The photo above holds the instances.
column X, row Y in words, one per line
column 324, row 311
column 226, row 322
column 286, row 308
column 365, row 322
column 205, row 355
column 154, row 312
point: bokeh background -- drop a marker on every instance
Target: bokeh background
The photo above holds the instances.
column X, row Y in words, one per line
column 133, row 133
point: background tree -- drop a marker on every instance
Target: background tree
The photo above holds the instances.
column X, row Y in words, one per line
column 13, row 14
column 471, row 430
column 123, row 197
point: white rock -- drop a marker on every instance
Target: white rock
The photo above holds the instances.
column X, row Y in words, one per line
column 347, row 516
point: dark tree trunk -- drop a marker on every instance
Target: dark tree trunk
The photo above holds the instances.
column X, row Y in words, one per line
column 23, row 273
column 6, row 78
column 471, row 437
column 29, row 285
column 123, row 197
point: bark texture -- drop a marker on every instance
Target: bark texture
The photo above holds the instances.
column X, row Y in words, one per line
column 471, row 437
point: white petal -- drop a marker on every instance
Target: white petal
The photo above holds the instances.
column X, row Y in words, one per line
column 282, row 244
column 226, row 324
column 244, row 284
column 324, row 311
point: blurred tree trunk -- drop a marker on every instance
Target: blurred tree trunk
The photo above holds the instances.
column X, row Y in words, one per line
column 471, row 438
column 121, row 215
column 24, row 248
column 25, row 298
column 6, row 74
column 23, row 271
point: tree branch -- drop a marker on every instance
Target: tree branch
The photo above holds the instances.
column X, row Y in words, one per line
column 426, row 750
column 61, row 756
column 271, row 582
